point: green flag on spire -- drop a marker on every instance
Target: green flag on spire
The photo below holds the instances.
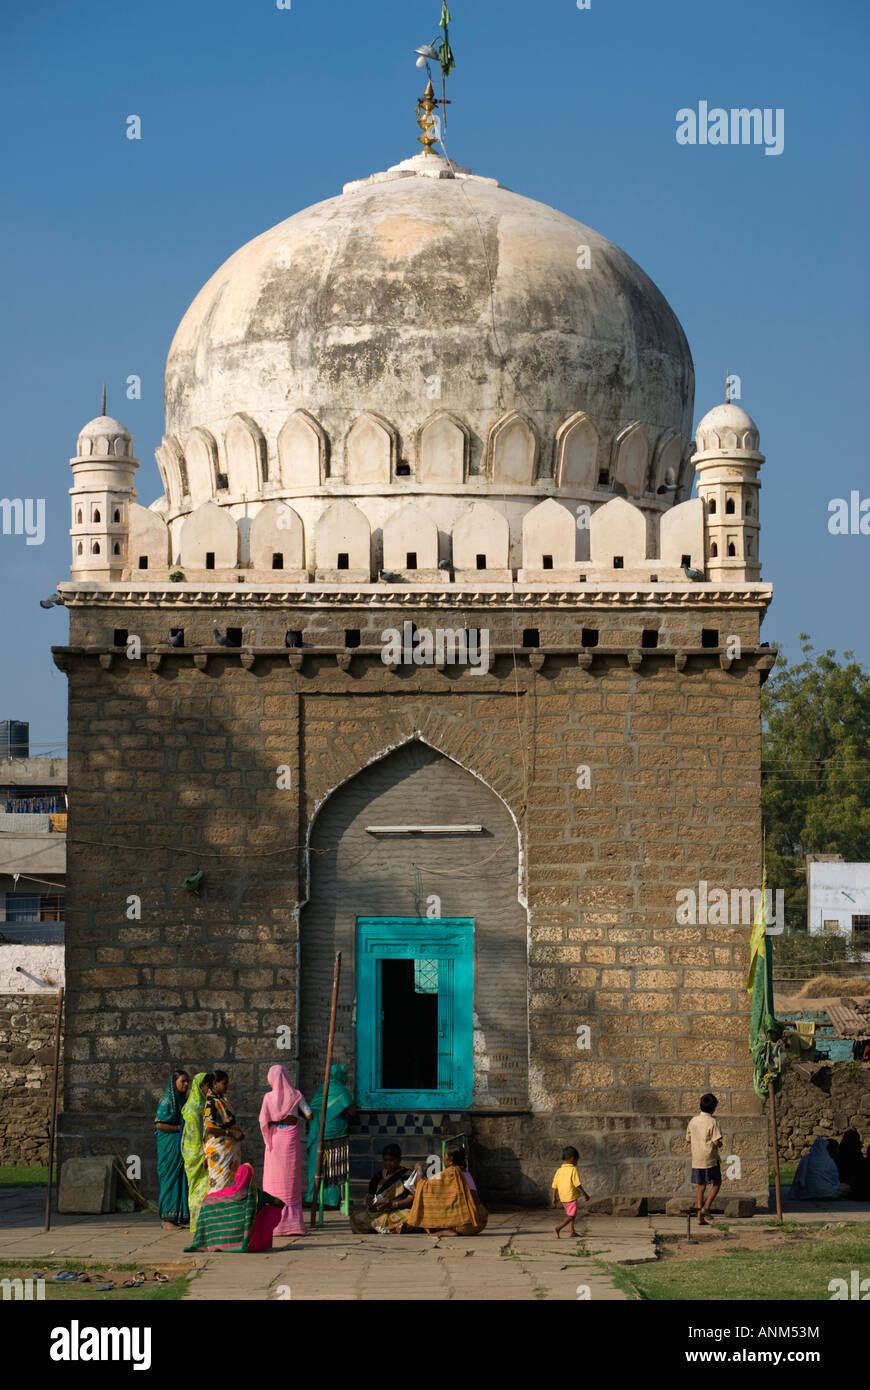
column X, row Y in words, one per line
column 764, row 1031
column 445, row 52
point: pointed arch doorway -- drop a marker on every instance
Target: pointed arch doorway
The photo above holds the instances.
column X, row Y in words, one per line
column 433, row 1009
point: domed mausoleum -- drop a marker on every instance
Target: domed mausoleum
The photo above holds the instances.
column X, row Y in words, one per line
column 426, row 655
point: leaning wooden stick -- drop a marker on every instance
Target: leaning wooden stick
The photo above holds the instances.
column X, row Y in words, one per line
column 52, row 1118
column 336, row 975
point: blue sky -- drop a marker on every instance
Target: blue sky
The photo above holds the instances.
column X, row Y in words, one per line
column 250, row 113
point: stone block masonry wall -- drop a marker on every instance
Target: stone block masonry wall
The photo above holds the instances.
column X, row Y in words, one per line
column 836, row 1099
column 173, row 770
column 27, row 1026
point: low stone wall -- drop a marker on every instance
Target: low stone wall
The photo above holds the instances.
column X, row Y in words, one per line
column 27, row 1023
column 836, row 1099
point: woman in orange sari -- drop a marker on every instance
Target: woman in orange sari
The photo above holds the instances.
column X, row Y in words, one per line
column 448, row 1204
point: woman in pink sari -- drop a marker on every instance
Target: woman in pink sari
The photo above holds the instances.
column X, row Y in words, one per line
column 285, row 1153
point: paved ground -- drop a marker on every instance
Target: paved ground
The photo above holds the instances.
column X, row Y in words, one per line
column 516, row 1258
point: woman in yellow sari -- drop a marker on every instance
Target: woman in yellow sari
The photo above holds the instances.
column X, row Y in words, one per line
column 192, row 1150
column 221, row 1136
column 448, row 1204
column 388, row 1199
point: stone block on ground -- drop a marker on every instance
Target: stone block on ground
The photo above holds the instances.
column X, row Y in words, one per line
column 739, row 1206
column 599, row 1206
column 679, row 1206
column 629, row 1206
column 87, row 1186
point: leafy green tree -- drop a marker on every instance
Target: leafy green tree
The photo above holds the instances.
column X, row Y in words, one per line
column 815, row 768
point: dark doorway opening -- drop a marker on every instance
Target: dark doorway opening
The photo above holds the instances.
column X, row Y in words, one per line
column 409, row 1028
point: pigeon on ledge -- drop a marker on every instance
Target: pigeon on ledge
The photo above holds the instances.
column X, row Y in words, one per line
column 176, row 639
column 695, row 575
column 51, row 602
column 390, row 578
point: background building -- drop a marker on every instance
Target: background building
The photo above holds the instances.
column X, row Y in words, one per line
column 839, row 899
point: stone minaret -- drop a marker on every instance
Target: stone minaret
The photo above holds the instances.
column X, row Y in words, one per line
column 727, row 463
column 100, row 499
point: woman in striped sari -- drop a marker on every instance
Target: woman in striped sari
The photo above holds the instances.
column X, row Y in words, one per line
column 238, row 1218
column 192, row 1150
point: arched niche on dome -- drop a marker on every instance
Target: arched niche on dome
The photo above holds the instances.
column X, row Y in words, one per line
column 631, row 459
column 549, row 537
column 681, row 533
column 617, row 536
column 173, row 470
column 512, row 450
column 148, row 543
column 666, row 459
column 443, row 451
column 277, row 530
column 410, row 535
column 577, row 452
column 201, row 453
column 303, row 451
column 369, row 451
column 209, row 539
column 245, row 451
column 481, row 542
column 343, row 544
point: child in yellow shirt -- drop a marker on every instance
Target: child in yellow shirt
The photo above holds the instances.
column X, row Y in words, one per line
column 567, row 1185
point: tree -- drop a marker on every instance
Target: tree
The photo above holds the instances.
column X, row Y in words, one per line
column 815, row 768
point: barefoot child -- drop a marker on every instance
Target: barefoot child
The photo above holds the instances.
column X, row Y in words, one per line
column 705, row 1137
column 566, row 1183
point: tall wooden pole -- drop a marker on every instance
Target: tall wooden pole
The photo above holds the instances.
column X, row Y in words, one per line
column 52, row 1118
column 336, row 975
column 776, row 1178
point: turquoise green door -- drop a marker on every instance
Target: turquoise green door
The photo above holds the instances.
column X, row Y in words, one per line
column 414, row 1001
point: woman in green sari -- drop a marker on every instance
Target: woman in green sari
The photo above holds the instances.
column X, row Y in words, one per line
column 192, row 1149
column 168, row 1128
column 339, row 1108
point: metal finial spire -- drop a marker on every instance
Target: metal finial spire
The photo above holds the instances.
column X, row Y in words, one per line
column 443, row 55
column 103, row 407
column 727, row 387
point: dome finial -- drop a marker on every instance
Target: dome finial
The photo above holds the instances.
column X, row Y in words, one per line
column 727, row 387
column 443, row 55
column 103, row 406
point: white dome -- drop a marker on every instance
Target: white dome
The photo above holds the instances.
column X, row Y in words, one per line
column 422, row 292
column 105, row 437
column 727, row 428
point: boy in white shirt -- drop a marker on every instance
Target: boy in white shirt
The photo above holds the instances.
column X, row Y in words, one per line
column 705, row 1137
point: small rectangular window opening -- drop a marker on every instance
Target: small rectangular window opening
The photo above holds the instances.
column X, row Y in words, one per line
column 590, row 637
column 618, row 562
column 546, row 562
column 343, row 562
column 649, row 637
column 686, row 560
column 481, row 562
column 531, row 637
column 351, row 637
column 277, row 560
column 119, row 637
column 143, row 562
column 604, row 477
column 411, row 560
column 709, row 636
column 234, row 636
column 209, row 559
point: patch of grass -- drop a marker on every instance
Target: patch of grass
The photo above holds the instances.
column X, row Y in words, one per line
column 23, row 1174
column 799, row 1272
column 75, row 1292
column 786, row 1175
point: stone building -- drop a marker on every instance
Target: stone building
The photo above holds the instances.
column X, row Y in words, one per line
column 407, row 662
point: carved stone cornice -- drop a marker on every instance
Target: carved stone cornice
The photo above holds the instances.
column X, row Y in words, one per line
column 492, row 596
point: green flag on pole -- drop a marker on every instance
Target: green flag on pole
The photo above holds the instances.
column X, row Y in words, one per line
column 764, row 1031
column 445, row 52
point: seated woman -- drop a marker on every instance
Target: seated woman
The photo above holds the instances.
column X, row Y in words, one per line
column 388, row 1199
column 239, row 1218
column 816, row 1177
column 448, row 1204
